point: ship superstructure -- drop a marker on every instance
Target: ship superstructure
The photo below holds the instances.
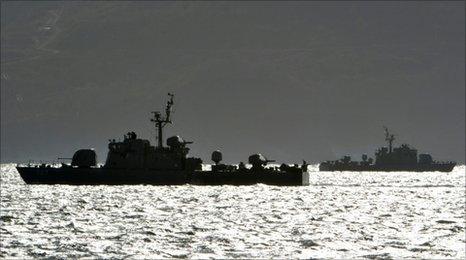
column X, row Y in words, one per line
column 132, row 152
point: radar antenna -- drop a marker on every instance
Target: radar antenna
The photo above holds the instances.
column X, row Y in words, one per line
column 389, row 138
column 160, row 121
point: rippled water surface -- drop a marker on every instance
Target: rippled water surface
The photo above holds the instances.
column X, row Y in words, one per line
column 340, row 215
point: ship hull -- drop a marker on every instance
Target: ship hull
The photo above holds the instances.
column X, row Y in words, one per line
column 440, row 167
column 98, row 176
column 106, row 176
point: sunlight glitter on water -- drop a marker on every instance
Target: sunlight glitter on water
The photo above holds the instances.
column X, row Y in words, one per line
column 340, row 215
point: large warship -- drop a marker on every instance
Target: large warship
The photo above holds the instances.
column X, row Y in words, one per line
column 136, row 161
column 402, row 158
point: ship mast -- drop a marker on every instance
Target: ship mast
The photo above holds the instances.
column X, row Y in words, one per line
column 161, row 121
column 389, row 138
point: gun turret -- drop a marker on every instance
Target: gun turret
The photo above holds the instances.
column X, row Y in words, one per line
column 346, row 159
column 258, row 160
column 177, row 142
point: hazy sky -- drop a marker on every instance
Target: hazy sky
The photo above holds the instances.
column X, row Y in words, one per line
column 292, row 80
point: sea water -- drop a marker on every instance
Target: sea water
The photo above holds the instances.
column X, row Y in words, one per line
column 340, row 215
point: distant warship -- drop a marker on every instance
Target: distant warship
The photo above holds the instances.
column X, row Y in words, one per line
column 136, row 161
column 403, row 158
